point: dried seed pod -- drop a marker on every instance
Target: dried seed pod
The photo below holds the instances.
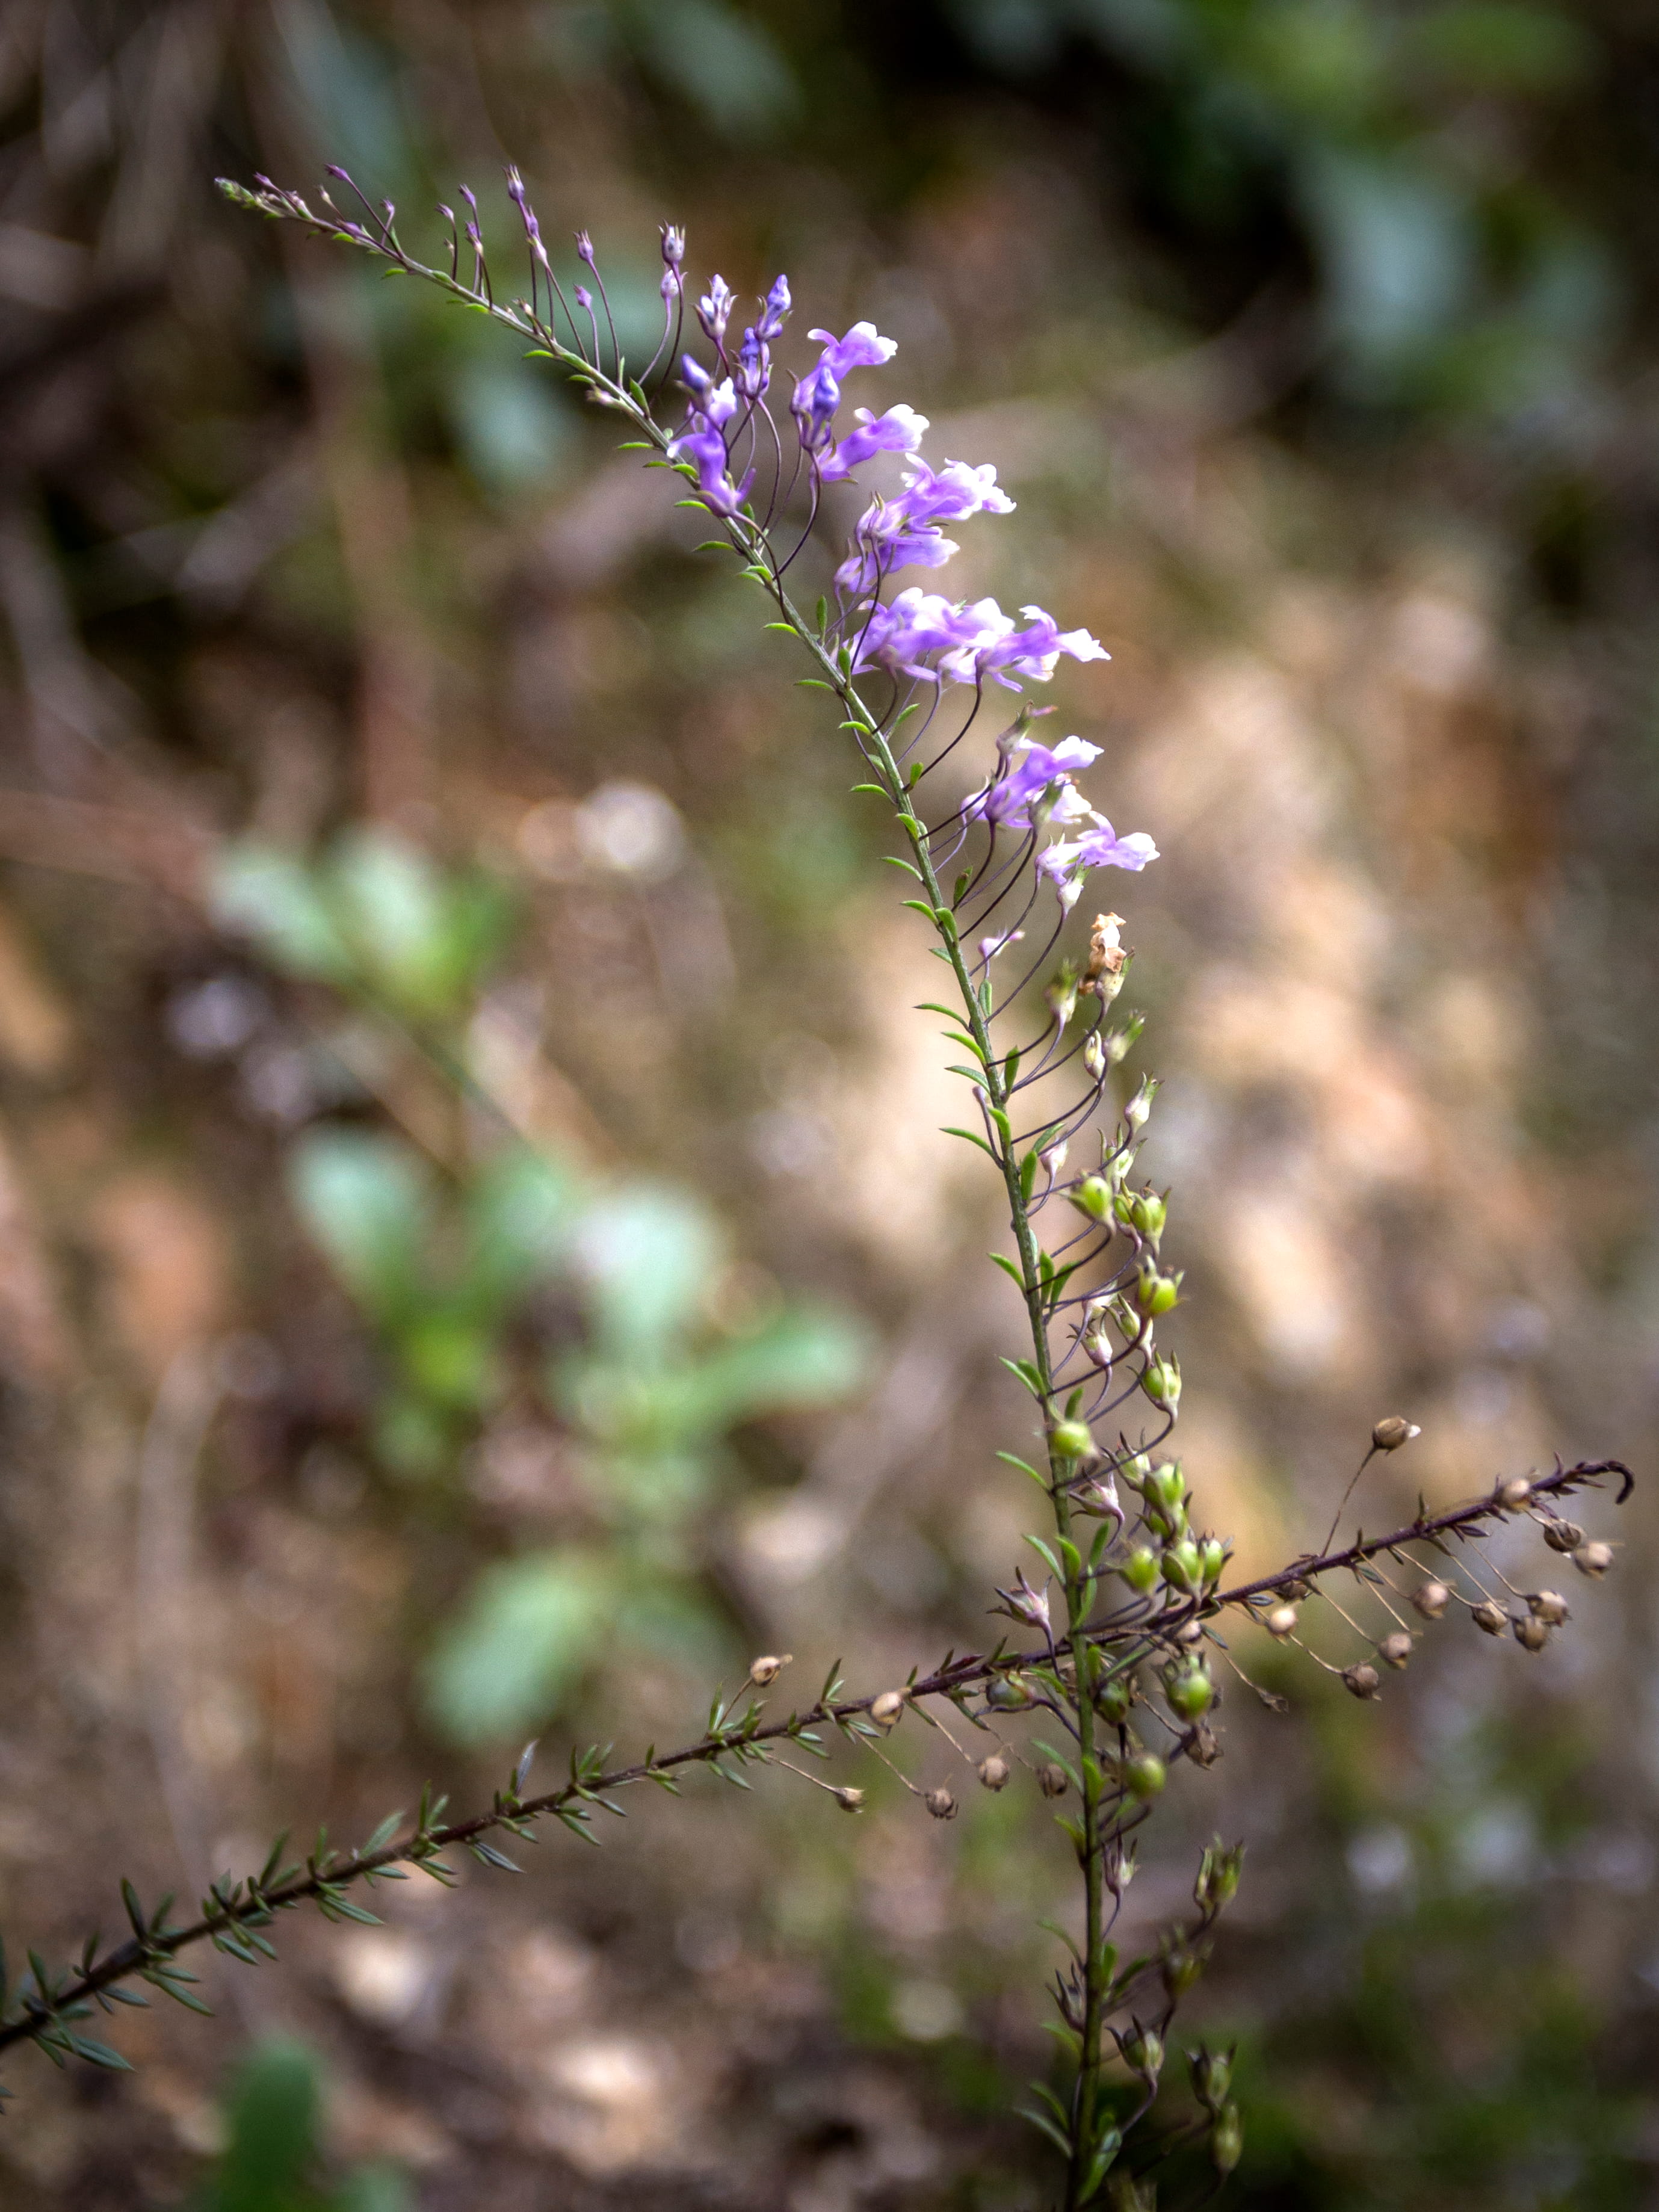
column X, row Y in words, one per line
column 1052, row 1779
column 1281, row 1621
column 1201, row 1745
column 767, row 1669
column 850, row 1801
column 888, row 1709
column 1389, row 1435
column 1394, row 1651
column 993, row 1771
column 1563, row 1535
column 1530, row 1633
column 1549, row 1606
column 1513, row 1494
column 1361, row 1681
column 1593, row 1558
column 1490, row 1617
column 940, row 1803
column 1294, row 1592
column 1431, row 1600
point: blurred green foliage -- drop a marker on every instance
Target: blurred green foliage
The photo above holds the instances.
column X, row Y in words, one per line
column 643, row 1382
column 270, row 2162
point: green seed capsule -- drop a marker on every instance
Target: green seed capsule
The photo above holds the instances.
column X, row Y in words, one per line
column 1140, row 1569
column 1093, row 1196
column 1191, row 1694
column 1071, row 1440
column 1144, row 1775
column 1182, row 1567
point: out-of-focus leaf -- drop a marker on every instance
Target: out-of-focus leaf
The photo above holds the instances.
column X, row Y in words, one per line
column 648, row 1252
column 811, row 1356
column 269, row 896
column 513, row 433
column 450, row 1359
column 1505, row 45
column 367, row 1201
column 273, row 2121
column 1399, row 250
column 724, row 63
column 523, row 1211
column 423, row 940
column 526, row 1632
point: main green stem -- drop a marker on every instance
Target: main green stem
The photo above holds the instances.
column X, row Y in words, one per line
column 1078, row 1585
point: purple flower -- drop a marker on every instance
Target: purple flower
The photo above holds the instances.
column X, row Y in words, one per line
column 773, row 308
column 714, row 309
column 673, row 244
column 863, row 347
column 706, row 449
column 1067, row 863
column 900, row 430
column 1031, row 654
column 953, row 493
column 754, row 371
column 813, row 406
column 1035, row 771
column 904, row 533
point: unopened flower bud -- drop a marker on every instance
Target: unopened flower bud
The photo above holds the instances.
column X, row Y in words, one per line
column 1593, row 1558
column 1490, row 1617
column 1531, row 1634
column 1026, row 1604
column 993, row 1771
column 1093, row 1197
column 1144, row 1775
column 850, row 1801
column 1389, row 1434
column 1071, row 1440
column 1431, row 1600
column 1513, row 1494
column 940, row 1803
column 1094, row 1057
column 888, row 1709
column 766, row 1670
column 1281, row 1621
column 1361, row 1681
column 1549, row 1606
column 1052, row 1780
column 1211, row 1557
column 1201, row 1745
column 1394, row 1651
column 1563, row 1535
column 1226, row 2140
column 1190, row 1633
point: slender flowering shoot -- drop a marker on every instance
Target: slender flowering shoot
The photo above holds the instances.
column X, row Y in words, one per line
column 1112, row 1669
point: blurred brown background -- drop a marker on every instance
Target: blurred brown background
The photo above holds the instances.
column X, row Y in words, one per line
column 345, row 1444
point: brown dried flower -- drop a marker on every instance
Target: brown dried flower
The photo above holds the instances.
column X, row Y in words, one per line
column 940, row 1803
column 1361, row 1681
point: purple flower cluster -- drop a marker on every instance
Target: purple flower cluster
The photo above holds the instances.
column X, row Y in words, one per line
column 918, row 636
column 715, row 402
